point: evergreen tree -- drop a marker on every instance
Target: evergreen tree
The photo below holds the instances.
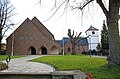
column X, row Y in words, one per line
column 98, row 47
column 104, row 37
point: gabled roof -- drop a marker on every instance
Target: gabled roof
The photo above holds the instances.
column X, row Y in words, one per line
column 39, row 26
column 92, row 28
column 63, row 41
column 59, row 42
column 42, row 28
column 27, row 20
column 83, row 41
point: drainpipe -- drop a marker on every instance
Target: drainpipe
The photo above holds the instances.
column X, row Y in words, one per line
column 12, row 44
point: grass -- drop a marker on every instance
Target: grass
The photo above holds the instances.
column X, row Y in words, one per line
column 96, row 66
column 3, row 57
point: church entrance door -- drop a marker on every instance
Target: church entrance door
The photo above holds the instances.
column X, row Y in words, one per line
column 43, row 50
column 33, row 51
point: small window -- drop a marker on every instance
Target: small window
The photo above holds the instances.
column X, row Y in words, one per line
column 68, row 49
column 93, row 32
column 22, row 38
column 31, row 37
column 27, row 37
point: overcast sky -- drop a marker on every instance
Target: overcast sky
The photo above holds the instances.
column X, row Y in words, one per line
column 58, row 25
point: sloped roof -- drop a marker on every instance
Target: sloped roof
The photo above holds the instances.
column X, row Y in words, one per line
column 39, row 26
column 25, row 21
column 64, row 40
column 83, row 41
column 92, row 28
column 59, row 42
column 42, row 28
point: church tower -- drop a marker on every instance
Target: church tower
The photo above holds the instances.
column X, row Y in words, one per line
column 93, row 37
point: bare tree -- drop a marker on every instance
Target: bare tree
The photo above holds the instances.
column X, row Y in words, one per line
column 6, row 12
column 73, row 40
column 112, row 17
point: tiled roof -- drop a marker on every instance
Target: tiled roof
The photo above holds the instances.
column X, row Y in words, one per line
column 64, row 40
column 59, row 42
column 81, row 41
column 92, row 28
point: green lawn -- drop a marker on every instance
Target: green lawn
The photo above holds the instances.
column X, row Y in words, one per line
column 3, row 57
column 96, row 66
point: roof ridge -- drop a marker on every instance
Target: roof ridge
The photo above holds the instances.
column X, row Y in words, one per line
column 91, row 28
column 43, row 26
column 27, row 19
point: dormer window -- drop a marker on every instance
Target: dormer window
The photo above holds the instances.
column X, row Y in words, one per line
column 93, row 32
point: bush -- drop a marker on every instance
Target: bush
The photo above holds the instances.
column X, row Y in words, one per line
column 3, row 66
column 2, row 52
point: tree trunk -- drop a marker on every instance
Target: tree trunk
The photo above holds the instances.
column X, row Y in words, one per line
column 0, row 36
column 73, row 46
column 113, row 34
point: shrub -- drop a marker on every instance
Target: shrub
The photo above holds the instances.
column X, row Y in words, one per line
column 3, row 66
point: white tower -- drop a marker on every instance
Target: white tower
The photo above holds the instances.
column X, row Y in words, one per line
column 93, row 37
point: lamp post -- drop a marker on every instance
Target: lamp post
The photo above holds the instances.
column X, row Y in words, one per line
column 12, row 44
column 89, row 36
column 63, row 46
column 90, row 45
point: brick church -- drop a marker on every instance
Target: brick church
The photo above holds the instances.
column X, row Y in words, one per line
column 30, row 38
column 33, row 38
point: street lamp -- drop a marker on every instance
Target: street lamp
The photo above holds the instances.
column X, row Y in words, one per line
column 12, row 44
column 63, row 46
column 89, row 36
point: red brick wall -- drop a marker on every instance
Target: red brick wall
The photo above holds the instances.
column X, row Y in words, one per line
column 79, row 49
column 27, row 35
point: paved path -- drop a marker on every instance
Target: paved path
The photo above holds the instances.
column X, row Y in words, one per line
column 23, row 65
column 98, row 56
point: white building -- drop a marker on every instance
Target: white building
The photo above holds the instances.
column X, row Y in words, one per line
column 93, row 37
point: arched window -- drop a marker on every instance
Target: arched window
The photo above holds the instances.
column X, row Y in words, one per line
column 68, row 49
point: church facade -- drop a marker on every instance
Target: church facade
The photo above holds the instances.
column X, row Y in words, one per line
column 81, row 46
column 31, row 38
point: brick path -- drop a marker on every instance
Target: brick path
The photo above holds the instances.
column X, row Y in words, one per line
column 23, row 65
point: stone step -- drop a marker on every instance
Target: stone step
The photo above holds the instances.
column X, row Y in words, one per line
column 53, row 75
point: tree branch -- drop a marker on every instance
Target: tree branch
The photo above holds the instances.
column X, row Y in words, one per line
column 57, row 8
column 81, row 7
column 7, row 27
column 103, row 7
column 86, row 4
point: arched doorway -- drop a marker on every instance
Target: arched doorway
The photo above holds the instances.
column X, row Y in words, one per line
column 32, row 51
column 54, row 50
column 43, row 50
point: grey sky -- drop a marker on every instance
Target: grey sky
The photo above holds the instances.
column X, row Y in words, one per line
column 58, row 24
